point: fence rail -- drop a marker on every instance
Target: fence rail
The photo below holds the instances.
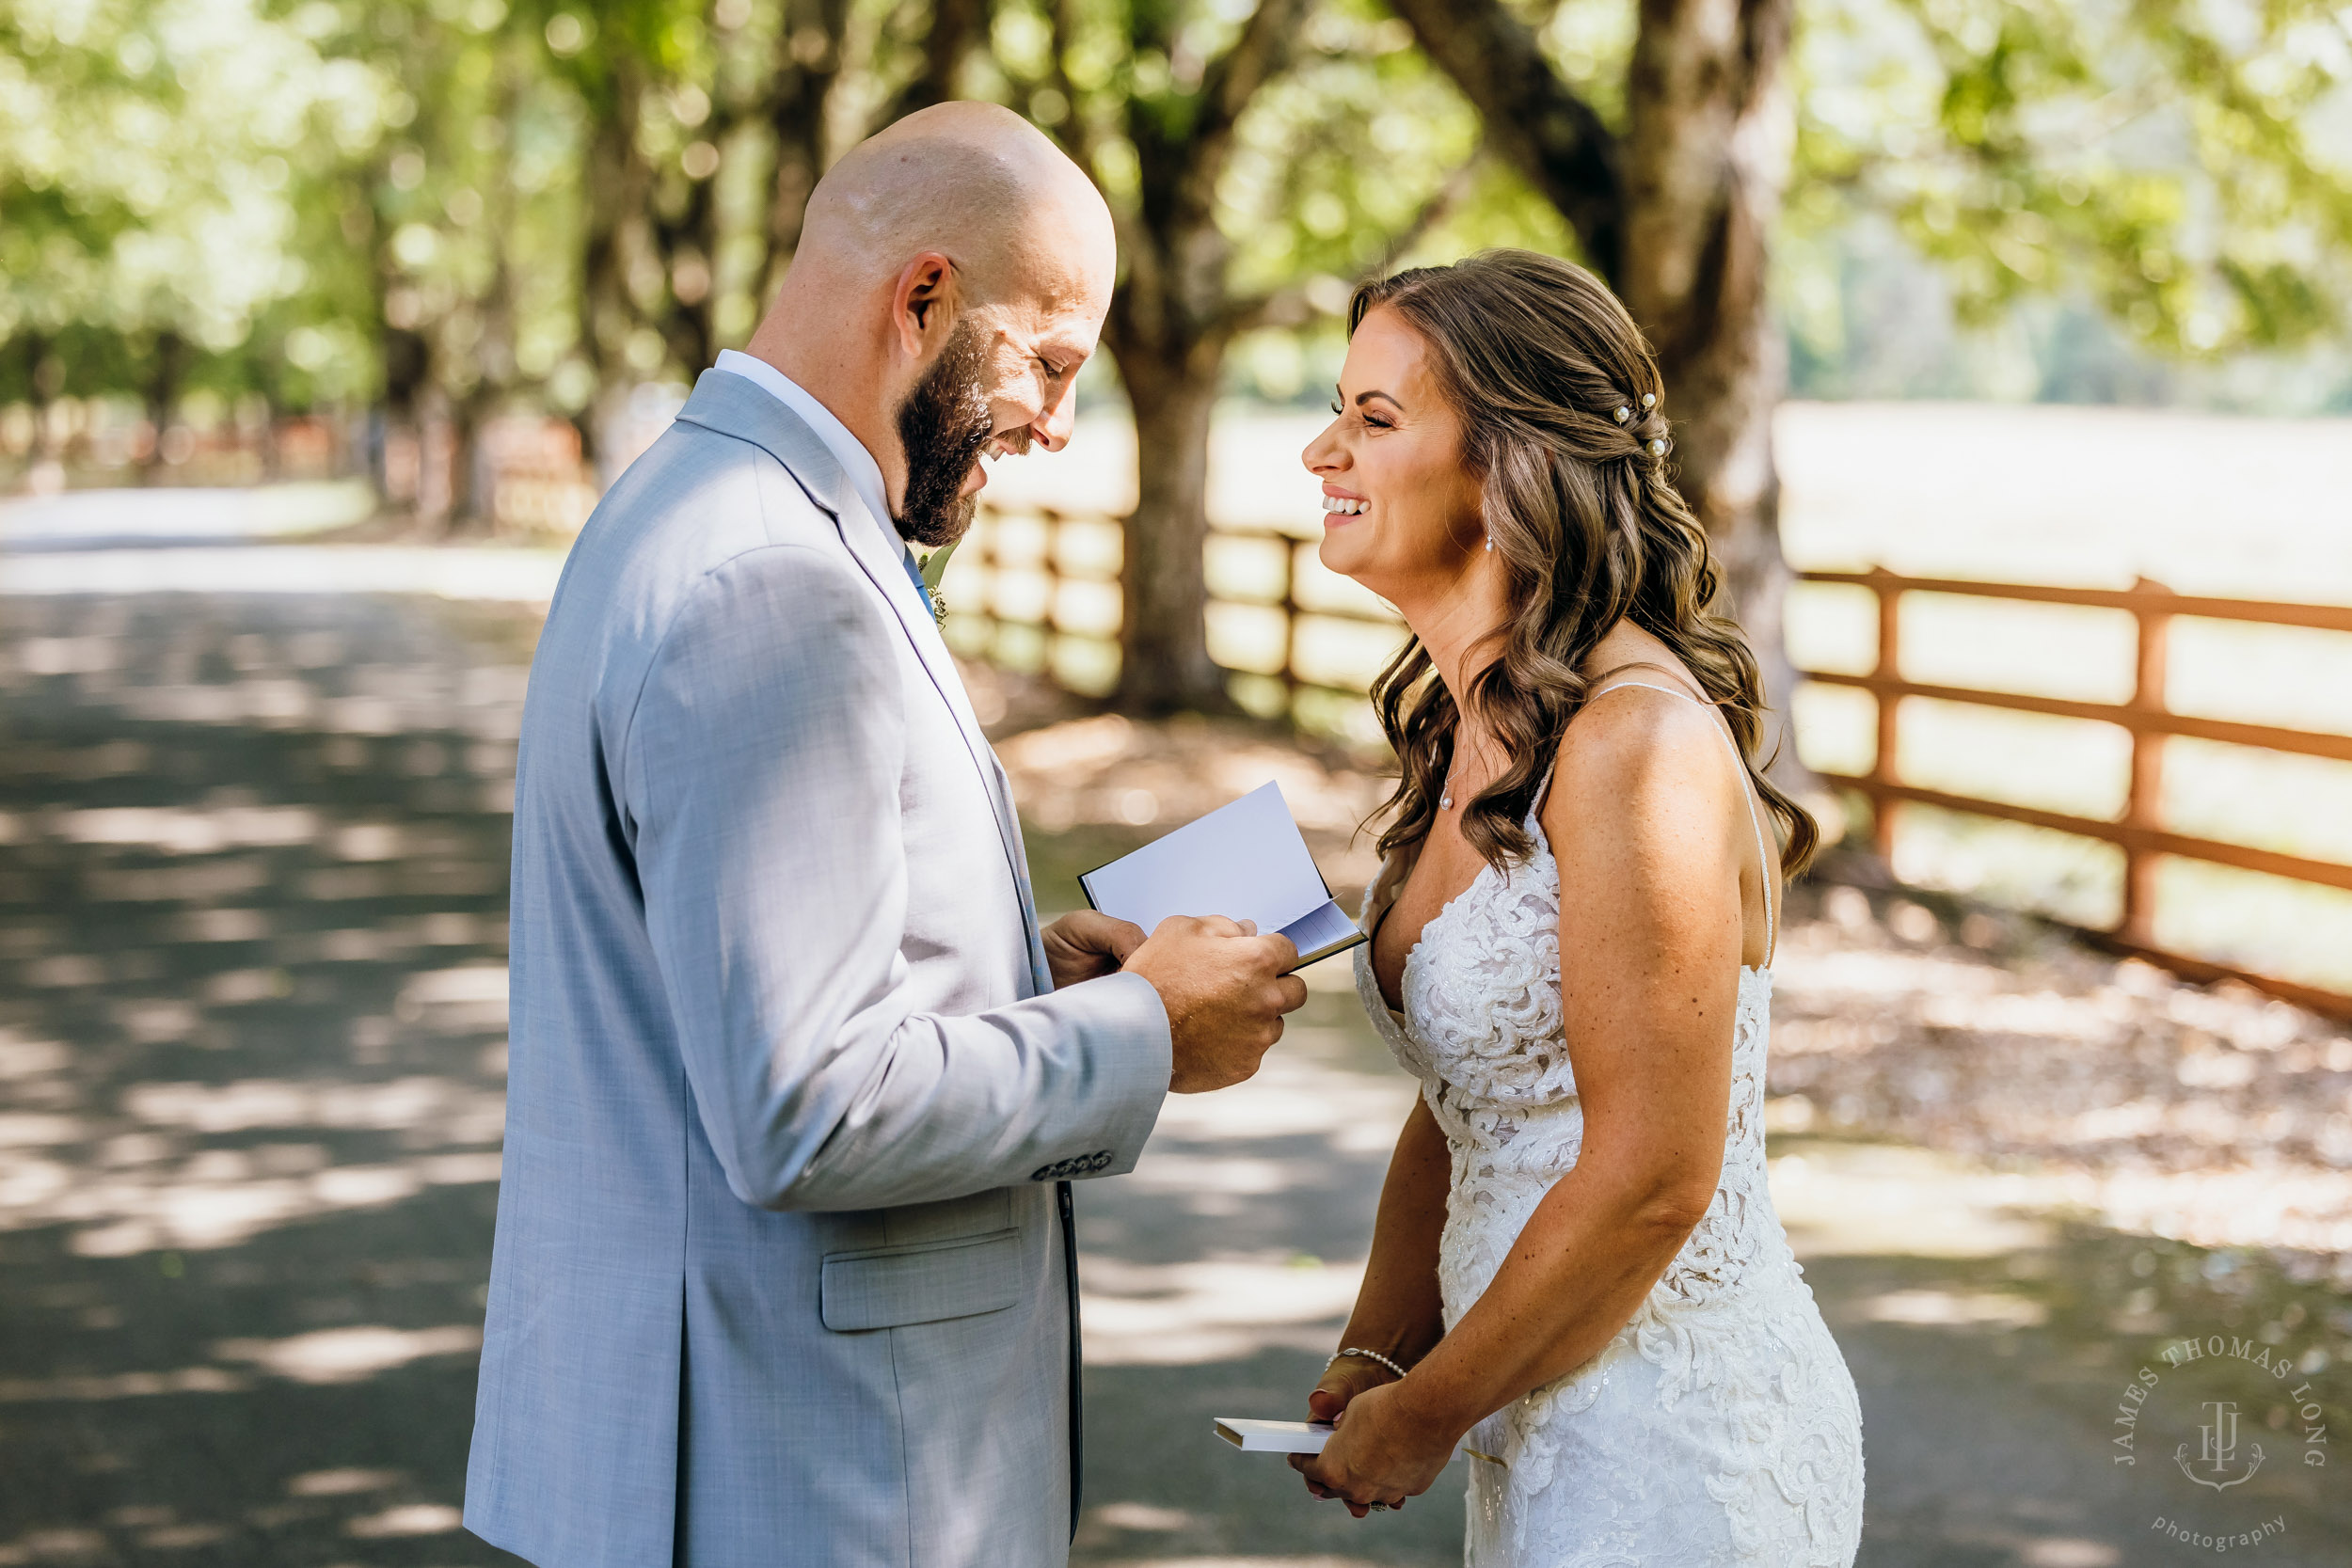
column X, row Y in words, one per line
column 1082, row 579
column 2139, row 833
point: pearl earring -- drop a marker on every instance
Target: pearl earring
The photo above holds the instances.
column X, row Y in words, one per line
column 1490, row 543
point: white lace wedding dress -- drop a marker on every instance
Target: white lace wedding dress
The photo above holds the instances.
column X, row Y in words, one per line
column 1720, row 1425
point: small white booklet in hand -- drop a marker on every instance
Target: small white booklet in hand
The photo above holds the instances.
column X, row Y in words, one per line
column 1254, row 1436
column 1245, row 861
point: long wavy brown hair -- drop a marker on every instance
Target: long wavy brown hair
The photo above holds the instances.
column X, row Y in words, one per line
column 1536, row 356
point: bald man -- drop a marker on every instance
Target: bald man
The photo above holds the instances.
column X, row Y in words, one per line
column 783, row 1270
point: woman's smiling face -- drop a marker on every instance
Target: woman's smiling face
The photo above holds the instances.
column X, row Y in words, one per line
column 1401, row 508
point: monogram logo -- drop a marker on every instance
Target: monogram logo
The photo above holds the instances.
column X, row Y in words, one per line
column 2219, row 1450
column 2234, row 1392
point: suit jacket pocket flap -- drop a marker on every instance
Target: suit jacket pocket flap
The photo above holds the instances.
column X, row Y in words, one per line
column 893, row 1287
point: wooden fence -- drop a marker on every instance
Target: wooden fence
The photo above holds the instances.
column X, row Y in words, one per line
column 2139, row 833
column 1079, row 584
column 1058, row 573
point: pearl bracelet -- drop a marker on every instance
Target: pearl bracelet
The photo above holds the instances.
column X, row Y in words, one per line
column 1371, row 1356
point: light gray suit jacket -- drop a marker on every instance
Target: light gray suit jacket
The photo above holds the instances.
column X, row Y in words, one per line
column 779, row 1276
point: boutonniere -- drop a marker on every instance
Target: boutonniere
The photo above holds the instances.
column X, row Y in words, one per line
column 935, row 567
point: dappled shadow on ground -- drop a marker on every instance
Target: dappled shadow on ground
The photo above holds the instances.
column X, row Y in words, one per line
column 252, row 924
column 2213, row 1116
column 1992, row 1384
column 252, row 888
column 1218, row 1276
column 1995, row 1150
column 1993, row 1336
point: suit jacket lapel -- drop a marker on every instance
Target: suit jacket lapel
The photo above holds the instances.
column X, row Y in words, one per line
column 880, row 559
column 734, row 406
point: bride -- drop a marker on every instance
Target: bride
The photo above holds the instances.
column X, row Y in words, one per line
column 1577, row 1274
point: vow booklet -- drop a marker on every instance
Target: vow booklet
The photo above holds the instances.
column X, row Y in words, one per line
column 1244, row 862
column 1273, row 1437
column 1255, row 1436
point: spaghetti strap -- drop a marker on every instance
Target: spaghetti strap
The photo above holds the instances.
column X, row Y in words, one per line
column 1543, row 790
column 1747, row 794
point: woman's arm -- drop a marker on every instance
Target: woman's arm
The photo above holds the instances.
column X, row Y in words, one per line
column 1398, row 1313
column 1650, row 934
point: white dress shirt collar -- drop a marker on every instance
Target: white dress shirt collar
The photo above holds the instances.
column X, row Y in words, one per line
column 857, row 463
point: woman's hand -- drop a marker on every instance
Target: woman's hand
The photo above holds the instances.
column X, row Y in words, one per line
column 1342, row 1380
column 1086, row 943
column 1379, row 1454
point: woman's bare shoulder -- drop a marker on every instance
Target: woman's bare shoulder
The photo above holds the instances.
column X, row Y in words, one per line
column 1630, row 751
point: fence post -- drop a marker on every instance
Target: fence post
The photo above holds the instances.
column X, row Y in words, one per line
column 1883, row 768
column 1050, row 634
column 1290, row 624
column 976, row 552
column 2144, row 807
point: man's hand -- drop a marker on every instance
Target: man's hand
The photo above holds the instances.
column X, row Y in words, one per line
column 1084, row 944
column 1225, row 993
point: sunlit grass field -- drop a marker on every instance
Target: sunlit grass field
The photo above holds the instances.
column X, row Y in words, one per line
column 2096, row 497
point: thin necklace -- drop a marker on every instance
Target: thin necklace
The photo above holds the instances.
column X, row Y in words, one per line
column 1453, row 768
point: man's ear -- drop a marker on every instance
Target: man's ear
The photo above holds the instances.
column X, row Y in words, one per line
column 924, row 304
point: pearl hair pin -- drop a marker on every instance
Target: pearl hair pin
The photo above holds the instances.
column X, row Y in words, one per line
column 1649, row 399
column 1657, row 447
column 1623, row 413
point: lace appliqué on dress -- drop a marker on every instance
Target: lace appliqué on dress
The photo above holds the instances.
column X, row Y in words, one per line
column 1720, row 1426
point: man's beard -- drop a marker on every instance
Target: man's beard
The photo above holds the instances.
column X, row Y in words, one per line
column 943, row 425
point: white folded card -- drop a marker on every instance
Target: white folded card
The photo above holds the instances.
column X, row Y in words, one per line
column 1255, row 1436
column 1273, row 1437
column 1244, row 861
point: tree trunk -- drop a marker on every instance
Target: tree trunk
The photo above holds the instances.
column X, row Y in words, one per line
column 1530, row 117
column 1709, row 130
column 1168, row 357
column 1677, row 215
column 808, row 68
column 436, row 458
column 44, row 379
column 1164, row 645
column 688, row 245
column 163, row 396
column 470, row 499
column 798, row 102
column 407, row 359
column 617, row 192
column 957, row 27
column 1171, row 321
column 489, row 378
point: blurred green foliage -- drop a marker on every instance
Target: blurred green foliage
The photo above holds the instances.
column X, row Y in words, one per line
column 2184, row 171
column 159, row 167
column 344, row 201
